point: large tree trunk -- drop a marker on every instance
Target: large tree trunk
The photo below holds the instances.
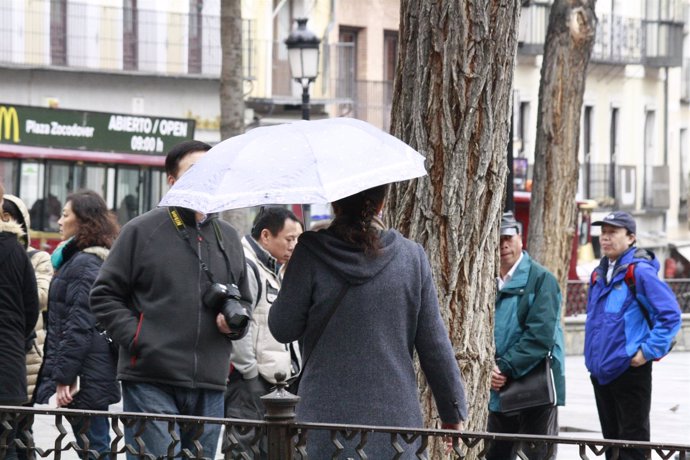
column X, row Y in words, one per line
column 452, row 102
column 231, row 78
column 231, row 90
column 553, row 211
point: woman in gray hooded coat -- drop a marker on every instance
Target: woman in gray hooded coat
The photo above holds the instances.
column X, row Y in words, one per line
column 361, row 370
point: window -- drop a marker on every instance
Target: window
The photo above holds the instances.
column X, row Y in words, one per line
column 46, row 207
column 130, row 33
column 587, row 126
column 649, row 155
column 523, row 127
column 128, row 198
column 613, row 151
column 684, row 167
column 347, row 62
column 194, row 56
column 8, row 175
column 58, row 32
column 390, row 54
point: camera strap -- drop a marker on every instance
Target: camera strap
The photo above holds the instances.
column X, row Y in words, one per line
column 184, row 234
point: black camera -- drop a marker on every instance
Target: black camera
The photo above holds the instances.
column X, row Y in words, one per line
column 224, row 298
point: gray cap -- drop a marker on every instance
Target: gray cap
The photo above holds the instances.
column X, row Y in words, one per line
column 509, row 225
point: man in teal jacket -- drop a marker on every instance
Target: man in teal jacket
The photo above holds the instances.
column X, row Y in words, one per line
column 525, row 331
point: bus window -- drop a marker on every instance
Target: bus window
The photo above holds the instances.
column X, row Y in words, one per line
column 60, row 182
column 45, row 211
column 31, row 183
column 159, row 186
column 8, row 175
column 110, row 188
column 127, row 192
column 89, row 177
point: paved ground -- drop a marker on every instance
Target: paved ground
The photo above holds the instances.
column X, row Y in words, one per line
column 670, row 415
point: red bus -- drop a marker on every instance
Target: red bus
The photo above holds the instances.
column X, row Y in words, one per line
column 582, row 251
column 47, row 154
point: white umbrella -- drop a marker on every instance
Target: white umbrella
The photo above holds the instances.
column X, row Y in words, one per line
column 302, row 162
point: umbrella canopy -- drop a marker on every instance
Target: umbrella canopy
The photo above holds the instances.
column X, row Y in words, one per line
column 303, row 162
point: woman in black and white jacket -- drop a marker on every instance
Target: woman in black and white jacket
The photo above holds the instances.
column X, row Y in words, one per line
column 74, row 348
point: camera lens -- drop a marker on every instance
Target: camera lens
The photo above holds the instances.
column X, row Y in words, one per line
column 237, row 318
column 225, row 299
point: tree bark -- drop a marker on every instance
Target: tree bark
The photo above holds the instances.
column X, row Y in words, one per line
column 231, row 91
column 553, row 210
column 231, row 78
column 452, row 102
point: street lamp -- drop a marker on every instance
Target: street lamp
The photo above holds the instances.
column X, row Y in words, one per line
column 303, row 56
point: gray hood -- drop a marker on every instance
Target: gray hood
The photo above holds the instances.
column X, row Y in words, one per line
column 348, row 260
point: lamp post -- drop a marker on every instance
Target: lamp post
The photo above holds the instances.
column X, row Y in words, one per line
column 303, row 56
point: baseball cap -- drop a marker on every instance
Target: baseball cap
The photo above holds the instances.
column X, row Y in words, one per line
column 619, row 219
column 509, row 225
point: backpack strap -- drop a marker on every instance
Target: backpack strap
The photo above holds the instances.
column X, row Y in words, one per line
column 31, row 253
column 642, row 302
column 257, row 275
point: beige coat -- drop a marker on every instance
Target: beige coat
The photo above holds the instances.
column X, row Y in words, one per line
column 44, row 273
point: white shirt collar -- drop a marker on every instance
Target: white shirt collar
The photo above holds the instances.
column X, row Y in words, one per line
column 502, row 281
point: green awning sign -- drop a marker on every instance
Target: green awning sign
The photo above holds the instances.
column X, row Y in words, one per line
column 80, row 130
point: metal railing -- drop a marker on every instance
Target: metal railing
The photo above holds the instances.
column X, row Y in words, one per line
column 619, row 40
column 576, row 296
column 287, row 439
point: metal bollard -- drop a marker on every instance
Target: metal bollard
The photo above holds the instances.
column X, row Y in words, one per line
column 280, row 416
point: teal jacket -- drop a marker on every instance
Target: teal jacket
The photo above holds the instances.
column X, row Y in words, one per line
column 525, row 332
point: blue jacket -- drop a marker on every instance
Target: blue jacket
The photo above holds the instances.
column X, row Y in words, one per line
column 616, row 327
column 524, row 336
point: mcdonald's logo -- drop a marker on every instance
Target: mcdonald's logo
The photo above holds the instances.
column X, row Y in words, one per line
column 9, row 124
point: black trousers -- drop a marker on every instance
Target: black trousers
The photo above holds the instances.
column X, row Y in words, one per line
column 623, row 407
column 538, row 420
column 243, row 401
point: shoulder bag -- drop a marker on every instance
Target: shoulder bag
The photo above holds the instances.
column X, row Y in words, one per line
column 537, row 387
column 534, row 389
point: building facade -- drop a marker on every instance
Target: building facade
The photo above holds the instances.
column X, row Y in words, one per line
column 164, row 59
column 634, row 131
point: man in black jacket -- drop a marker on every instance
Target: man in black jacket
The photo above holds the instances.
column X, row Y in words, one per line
column 19, row 312
column 149, row 296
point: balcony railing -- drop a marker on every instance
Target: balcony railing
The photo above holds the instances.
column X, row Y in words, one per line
column 597, row 184
column 142, row 40
column 619, row 40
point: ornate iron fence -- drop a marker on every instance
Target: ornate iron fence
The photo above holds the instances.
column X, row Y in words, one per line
column 576, row 297
column 285, row 438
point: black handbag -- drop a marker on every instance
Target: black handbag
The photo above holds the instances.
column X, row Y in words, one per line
column 534, row 389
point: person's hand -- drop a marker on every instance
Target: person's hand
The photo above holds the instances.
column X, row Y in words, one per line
column 222, row 325
column 497, row 379
column 639, row 359
column 64, row 395
column 448, row 440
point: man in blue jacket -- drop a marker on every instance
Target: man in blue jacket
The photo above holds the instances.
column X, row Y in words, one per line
column 632, row 318
column 527, row 328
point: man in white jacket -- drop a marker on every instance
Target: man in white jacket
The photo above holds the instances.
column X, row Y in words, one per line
column 257, row 357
